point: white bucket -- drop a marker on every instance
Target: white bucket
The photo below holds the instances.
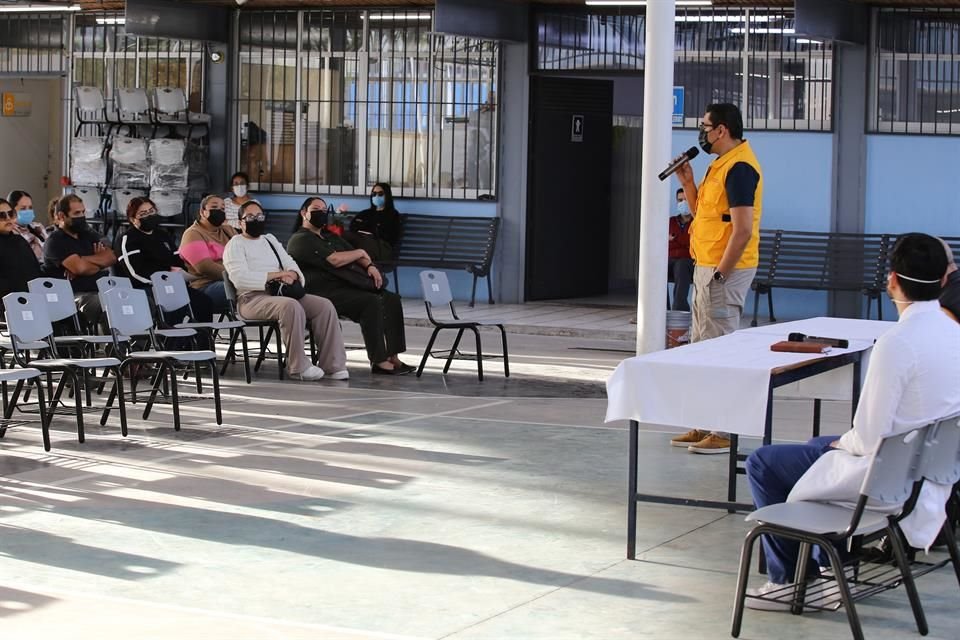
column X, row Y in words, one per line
column 678, row 328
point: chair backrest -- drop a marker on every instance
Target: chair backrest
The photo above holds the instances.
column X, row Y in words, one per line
column 128, row 151
column 940, row 461
column 169, row 203
column 89, row 98
column 113, row 282
column 122, row 197
column 128, row 311
column 91, row 200
column 28, row 319
column 170, row 100
column 435, row 288
column 170, row 290
column 133, row 101
column 57, row 294
column 895, row 468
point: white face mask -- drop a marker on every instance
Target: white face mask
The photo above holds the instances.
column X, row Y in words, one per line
column 239, row 190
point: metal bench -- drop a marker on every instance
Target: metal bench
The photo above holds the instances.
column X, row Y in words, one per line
column 442, row 242
column 821, row 261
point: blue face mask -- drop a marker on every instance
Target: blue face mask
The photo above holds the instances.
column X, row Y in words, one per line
column 378, row 201
column 683, row 209
column 25, row 217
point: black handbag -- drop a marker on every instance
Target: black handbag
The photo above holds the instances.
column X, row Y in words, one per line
column 281, row 288
column 357, row 276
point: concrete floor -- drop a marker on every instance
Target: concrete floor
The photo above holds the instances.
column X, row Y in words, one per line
column 389, row 508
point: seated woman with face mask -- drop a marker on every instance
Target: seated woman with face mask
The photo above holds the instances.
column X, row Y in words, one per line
column 349, row 279
column 145, row 248
column 26, row 224
column 253, row 259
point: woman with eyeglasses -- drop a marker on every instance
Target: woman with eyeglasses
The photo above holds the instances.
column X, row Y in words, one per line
column 349, row 279
column 26, row 224
column 145, row 248
column 377, row 229
column 255, row 259
column 18, row 264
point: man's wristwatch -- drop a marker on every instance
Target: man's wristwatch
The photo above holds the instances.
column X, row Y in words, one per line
column 719, row 277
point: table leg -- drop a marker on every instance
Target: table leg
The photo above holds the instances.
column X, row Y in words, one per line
column 632, row 493
column 816, row 417
column 732, row 470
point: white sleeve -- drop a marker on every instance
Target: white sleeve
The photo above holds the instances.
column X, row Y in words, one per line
column 237, row 264
column 891, row 365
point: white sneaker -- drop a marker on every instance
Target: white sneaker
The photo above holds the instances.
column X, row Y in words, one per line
column 822, row 593
column 782, row 592
column 310, row 373
column 343, row 374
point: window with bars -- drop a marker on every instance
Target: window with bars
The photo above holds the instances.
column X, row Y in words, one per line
column 750, row 57
column 915, row 71
column 32, row 44
column 331, row 101
column 104, row 56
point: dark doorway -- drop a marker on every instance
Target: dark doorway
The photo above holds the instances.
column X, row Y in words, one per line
column 568, row 190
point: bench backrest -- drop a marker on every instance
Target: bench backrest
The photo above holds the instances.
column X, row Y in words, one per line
column 824, row 260
column 439, row 240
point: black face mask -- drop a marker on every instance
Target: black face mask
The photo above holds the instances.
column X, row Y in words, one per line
column 76, row 225
column 318, row 219
column 255, row 228
column 217, row 217
column 150, row 223
column 705, row 144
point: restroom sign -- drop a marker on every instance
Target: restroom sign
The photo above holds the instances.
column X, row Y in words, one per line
column 576, row 129
column 16, row 104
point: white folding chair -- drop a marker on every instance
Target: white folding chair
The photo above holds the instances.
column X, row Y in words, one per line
column 889, row 484
column 170, row 108
column 437, row 294
column 21, row 376
column 134, row 110
column 171, row 294
column 91, row 109
column 128, row 313
column 29, row 322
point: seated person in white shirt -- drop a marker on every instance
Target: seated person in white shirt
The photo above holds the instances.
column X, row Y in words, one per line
column 913, row 379
column 252, row 259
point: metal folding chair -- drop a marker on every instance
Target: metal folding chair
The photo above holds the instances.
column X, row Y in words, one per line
column 128, row 313
column 171, row 295
column 437, row 293
column 29, row 322
column 272, row 329
column 890, row 482
column 21, row 376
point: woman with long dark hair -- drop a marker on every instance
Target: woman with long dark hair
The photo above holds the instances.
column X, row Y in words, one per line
column 377, row 229
column 348, row 277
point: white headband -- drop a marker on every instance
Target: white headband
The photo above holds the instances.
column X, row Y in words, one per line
column 900, row 275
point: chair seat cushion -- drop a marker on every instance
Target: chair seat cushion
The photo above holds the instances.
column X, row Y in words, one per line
column 13, row 375
column 83, row 363
column 175, row 333
column 89, row 339
column 184, row 356
column 816, row 517
column 232, row 324
column 7, row 343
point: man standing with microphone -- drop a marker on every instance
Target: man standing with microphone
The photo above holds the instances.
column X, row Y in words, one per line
column 724, row 239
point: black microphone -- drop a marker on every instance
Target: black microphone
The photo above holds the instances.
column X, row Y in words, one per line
column 839, row 343
column 676, row 163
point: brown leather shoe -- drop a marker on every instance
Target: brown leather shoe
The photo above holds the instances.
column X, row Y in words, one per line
column 690, row 437
column 711, row 444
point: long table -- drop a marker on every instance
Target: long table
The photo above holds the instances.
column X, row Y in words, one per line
column 727, row 384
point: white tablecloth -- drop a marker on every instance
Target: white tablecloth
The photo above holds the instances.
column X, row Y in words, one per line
column 722, row 384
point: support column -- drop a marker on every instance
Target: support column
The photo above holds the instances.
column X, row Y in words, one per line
column 848, row 212
column 654, row 194
column 513, row 107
